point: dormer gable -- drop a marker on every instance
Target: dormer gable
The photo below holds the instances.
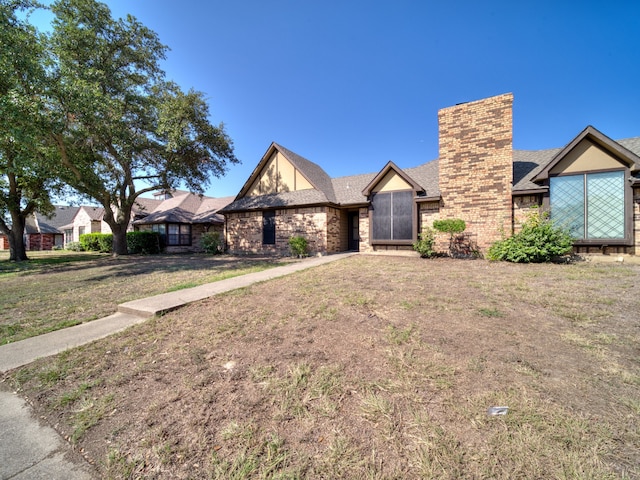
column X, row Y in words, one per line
column 591, row 150
column 280, row 170
column 391, row 178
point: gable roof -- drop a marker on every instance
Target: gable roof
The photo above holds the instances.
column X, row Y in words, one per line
column 351, row 190
column 186, row 207
column 312, row 172
column 39, row 223
column 590, row 133
column 390, row 166
column 531, row 166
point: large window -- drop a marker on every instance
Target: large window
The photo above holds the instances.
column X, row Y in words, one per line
column 174, row 234
column 590, row 205
column 269, row 227
column 392, row 216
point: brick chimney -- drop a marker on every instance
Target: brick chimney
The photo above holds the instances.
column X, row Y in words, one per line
column 476, row 166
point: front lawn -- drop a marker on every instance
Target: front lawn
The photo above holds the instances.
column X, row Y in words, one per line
column 370, row 367
column 58, row 289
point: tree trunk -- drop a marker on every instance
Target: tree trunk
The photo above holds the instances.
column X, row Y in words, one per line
column 119, row 240
column 17, row 249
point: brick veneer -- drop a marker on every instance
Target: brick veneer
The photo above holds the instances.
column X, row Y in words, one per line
column 319, row 225
column 475, row 167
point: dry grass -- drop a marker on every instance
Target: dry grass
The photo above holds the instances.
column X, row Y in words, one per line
column 59, row 289
column 371, row 367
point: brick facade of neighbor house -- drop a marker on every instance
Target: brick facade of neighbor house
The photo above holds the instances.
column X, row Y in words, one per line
column 42, row 241
column 476, row 166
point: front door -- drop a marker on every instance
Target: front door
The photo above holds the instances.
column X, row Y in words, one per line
column 354, row 231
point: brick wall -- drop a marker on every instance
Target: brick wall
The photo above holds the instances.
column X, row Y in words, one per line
column 365, row 246
column 319, row 225
column 39, row 242
column 476, row 166
column 522, row 206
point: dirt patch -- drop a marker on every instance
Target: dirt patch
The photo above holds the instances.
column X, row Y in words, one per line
column 371, row 367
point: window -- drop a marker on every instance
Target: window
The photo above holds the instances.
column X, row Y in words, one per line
column 590, row 205
column 392, row 216
column 269, row 227
column 178, row 234
column 80, row 231
column 68, row 235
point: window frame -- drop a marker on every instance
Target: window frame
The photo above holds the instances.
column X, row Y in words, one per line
column 413, row 216
column 627, row 240
column 269, row 227
column 182, row 237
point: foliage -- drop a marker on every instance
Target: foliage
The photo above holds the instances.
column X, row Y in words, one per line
column 451, row 226
column 212, row 242
column 146, row 242
column 538, row 241
column 96, row 242
column 122, row 129
column 424, row 245
column 74, row 247
column 27, row 161
column 298, row 246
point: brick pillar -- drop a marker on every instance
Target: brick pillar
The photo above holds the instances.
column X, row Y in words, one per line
column 476, row 166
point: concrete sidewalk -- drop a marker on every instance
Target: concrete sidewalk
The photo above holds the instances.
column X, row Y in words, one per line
column 20, row 353
column 29, row 450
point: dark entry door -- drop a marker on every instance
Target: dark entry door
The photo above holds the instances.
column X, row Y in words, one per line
column 354, row 231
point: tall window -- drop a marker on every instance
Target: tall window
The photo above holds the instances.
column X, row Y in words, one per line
column 269, row 227
column 590, row 205
column 392, row 216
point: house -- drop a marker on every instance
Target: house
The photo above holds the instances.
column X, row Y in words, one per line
column 44, row 232
column 182, row 217
column 591, row 186
column 179, row 216
column 88, row 219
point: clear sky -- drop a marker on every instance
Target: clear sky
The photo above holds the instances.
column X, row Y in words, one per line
column 352, row 84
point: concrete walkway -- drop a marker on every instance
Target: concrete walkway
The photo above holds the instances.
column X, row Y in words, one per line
column 29, row 450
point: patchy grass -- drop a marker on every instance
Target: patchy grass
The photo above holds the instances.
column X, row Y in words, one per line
column 60, row 289
column 334, row 373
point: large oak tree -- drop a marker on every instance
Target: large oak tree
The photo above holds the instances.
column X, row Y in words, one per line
column 122, row 128
column 27, row 163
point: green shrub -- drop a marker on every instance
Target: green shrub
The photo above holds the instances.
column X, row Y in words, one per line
column 212, row 242
column 145, row 242
column 74, row 247
column 298, row 246
column 96, row 242
column 452, row 226
column 424, row 245
column 538, row 241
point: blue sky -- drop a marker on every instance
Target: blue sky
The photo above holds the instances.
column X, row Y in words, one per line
column 352, row 84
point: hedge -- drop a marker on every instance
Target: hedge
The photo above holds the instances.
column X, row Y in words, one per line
column 137, row 242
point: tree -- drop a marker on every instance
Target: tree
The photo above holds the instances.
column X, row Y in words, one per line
column 27, row 163
column 121, row 124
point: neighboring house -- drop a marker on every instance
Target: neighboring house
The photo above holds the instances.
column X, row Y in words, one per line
column 182, row 217
column 45, row 232
column 88, row 219
column 591, row 186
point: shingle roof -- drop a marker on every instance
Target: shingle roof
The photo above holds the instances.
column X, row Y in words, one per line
column 348, row 190
column 277, row 200
column 94, row 213
column 186, row 207
column 528, row 163
column 312, row 171
column 61, row 216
